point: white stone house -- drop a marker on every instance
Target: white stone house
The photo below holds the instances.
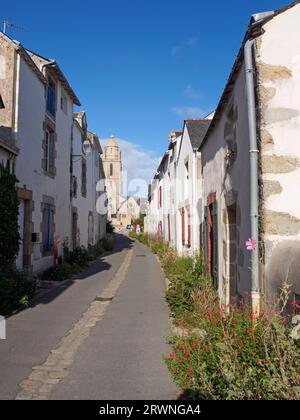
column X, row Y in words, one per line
column 129, row 210
column 160, row 220
column 88, row 183
column 251, row 165
column 37, row 121
column 188, row 189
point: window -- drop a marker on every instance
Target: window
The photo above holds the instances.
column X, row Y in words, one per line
column 186, row 170
column 48, row 228
column 183, row 226
column 160, row 197
column 74, row 187
column 111, row 169
column 210, row 240
column 83, row 178
column 91, row 229
column 64, row 103
column 189, row 230
column 186, row 179
column 49, row 151
column 51, row 97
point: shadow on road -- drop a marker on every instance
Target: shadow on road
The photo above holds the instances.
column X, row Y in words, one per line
column 57, row 288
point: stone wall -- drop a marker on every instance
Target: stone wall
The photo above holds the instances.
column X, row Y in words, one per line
column 7, row 74
column 279, row 131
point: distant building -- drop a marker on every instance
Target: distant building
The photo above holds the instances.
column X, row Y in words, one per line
column 88, row 226
column 112, row 164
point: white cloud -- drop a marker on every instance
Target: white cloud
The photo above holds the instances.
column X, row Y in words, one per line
column 190, row 112
column 192, row 41
column 140, row 165
column 192, row 93
column 189, row 43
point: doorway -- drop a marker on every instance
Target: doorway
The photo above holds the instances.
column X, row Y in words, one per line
column 232, row 251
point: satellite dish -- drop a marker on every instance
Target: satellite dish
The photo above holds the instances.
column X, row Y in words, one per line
column 86, row 147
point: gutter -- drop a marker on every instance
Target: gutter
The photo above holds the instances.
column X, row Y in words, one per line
column 254, row 190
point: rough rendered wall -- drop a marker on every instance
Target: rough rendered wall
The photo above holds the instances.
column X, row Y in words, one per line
column 231, row 184
column 278, row 56
column 7, row 65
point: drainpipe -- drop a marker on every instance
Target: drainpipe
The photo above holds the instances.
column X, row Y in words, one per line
column 194, row 202
column 254, row 191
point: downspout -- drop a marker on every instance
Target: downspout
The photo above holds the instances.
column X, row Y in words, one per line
column 176, row 205
column 254, row 190
column 194, row 202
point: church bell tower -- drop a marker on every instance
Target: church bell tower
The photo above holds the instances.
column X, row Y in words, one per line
column 112, row 163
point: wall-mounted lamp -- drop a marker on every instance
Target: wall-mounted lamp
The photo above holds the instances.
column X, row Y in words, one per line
column 86, row 149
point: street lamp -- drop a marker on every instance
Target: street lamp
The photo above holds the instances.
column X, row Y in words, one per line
column 86, row 149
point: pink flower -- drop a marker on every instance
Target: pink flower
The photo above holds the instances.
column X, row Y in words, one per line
column 251, row 245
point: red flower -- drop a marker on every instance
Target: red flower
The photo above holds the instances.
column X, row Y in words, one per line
column 187, row 352
column 295, row 304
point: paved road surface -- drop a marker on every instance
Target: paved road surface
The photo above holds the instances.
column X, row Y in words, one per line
column 121, row 357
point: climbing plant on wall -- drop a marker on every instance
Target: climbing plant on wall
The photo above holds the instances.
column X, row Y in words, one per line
column 9, row 209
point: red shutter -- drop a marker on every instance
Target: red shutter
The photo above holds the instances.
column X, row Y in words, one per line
column 183, row 225
column 189, row 227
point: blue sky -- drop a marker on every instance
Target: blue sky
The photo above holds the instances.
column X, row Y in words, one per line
column 139, row 66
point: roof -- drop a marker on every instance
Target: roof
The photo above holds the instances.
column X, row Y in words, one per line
column 41, row 61
column 255, row 29
column 25, row 55
column 95, row 139
column 112, row 142
column 197, row 130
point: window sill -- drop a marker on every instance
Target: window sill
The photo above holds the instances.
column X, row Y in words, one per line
column 49, row 174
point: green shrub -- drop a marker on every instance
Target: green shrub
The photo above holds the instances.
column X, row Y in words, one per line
column 58, row 272
column 9, row 210
column 80, row 256
column 16, row 289
column 186, row 276
column 133, row 235
column 143, row 238
column 158, row 247
column 234, row 357
column 108, row 242
column 95, row 251
column 109, row 227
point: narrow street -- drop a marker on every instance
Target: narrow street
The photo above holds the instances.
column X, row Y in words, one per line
column 100, row 336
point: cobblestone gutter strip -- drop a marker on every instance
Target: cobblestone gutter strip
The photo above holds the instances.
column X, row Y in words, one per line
column 43, row 378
